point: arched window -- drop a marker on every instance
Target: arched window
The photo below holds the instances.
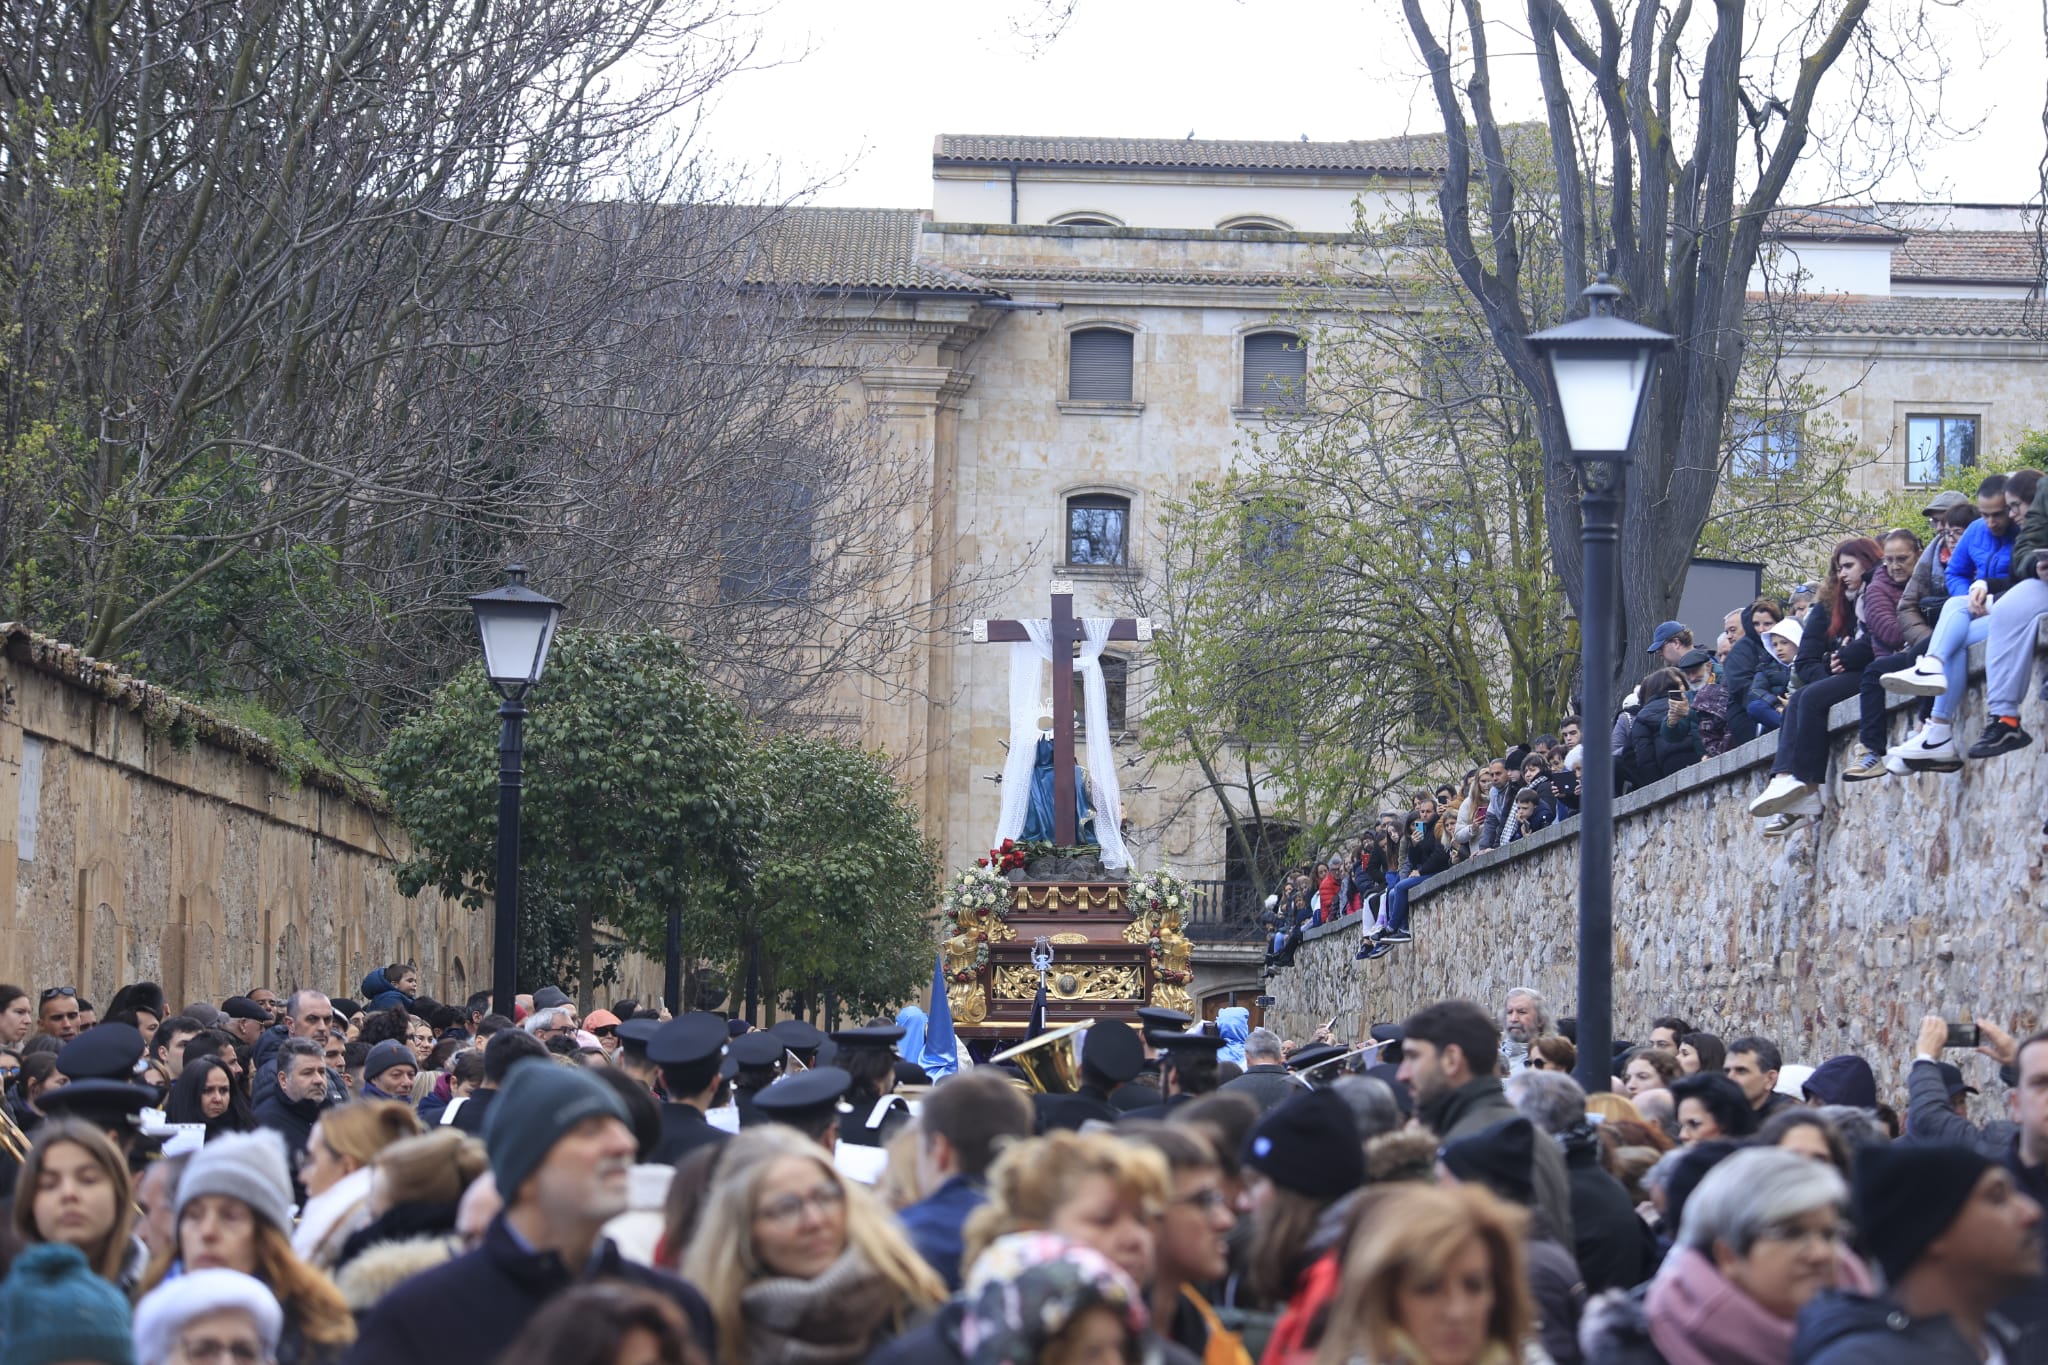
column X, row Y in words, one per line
column 1086, row 218
column 1275, row 370
column 1253, row 222
column 1099, row 530
column 1099, row 365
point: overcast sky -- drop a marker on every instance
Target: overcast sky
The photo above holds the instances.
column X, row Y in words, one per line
column 866, row 84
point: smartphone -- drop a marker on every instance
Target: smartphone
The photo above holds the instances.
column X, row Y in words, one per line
column 1674, row 696
column 1265, row 1002
column 1331, row 1027
column 1961, row 1035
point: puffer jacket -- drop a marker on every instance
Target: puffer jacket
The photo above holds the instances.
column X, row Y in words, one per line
column 1881, row 612
column 2032, row 541
column 1738, row 671
column 1851, row 1329
column 1920, row 600
column 382, row 994
column 1657, row 750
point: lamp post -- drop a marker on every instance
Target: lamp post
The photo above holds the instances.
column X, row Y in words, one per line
column 517, row 625
column 1600, row 366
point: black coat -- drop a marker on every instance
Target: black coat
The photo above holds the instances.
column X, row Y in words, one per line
column 1615, row 1247
column 293, row 1121
column 1657, row 750
column 476, row 1305
column 683, row 1130
column 1071, row 1111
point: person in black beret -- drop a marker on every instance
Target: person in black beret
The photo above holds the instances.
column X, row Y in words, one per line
column 1110, row 1057
column 632, row 1058
column 1954, row 1236
column 1500, row 1158
column 868, row 1056
column 690, row 1051
column 807, row 1101
column 243, row 1019
column 798, row 1037
column 1187, row 1070
column 754, row 1061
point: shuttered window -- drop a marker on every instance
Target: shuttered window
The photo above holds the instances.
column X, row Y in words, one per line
column 1275, row 370
column 1099, row 365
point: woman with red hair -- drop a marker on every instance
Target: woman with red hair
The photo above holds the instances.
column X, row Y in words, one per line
column 1834, row 649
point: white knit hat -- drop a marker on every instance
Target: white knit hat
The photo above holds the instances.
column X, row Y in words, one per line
column 166, row 1310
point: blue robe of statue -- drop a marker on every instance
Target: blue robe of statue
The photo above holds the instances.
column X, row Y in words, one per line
column 1038, row 817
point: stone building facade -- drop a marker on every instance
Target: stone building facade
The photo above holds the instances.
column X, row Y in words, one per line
column 1912, row 896
column 1066, row 338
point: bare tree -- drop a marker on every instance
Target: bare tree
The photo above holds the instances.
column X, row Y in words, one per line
column 1671, row 149
column 311, row 315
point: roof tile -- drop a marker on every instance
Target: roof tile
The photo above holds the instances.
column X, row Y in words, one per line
column 1972, row 257
column 1420, row 155
column 1913, row 315
column 853, row 249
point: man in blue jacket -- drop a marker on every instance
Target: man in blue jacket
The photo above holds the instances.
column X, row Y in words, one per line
column 1979, row 570
column 965, row 1121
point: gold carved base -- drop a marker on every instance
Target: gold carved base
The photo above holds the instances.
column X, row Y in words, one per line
column 1037, row 897
column 1073, row 984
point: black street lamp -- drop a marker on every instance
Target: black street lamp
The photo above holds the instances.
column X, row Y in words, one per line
column 1600, row 366
column 517, row 626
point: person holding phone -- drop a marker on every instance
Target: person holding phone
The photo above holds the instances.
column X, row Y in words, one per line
column 1422, row 856
column 1665, row 737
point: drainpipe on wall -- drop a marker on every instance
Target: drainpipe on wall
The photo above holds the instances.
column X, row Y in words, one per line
column 1013, row 196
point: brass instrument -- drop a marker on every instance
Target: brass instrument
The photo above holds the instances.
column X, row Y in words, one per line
column 1307, row 1072
column 1051, row 1062
column 13, row 1142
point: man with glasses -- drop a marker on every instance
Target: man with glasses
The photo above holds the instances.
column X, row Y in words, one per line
column 561, row 1149
column 57, row 1013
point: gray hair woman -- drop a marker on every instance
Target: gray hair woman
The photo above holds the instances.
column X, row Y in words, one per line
column 1761, row 1235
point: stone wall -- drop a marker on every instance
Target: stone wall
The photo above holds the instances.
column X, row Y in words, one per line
column 142, row 839
column 1914, row 895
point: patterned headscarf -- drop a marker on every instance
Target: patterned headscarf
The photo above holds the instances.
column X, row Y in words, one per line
column 1027, row 1287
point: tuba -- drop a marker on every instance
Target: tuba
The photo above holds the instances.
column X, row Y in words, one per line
column 1051, row 1062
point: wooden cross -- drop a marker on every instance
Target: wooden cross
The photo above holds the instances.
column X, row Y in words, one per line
column 1066, row 637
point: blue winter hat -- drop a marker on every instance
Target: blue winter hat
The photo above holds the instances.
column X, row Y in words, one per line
column 54, row 1308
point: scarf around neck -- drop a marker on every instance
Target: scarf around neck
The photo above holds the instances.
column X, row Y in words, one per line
column 1696, row 1317
column 826, row 1321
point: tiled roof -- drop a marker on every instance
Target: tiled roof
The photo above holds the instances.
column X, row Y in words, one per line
column 1832, row 225
column 852, row 249
column 1257, row 279
column 1423, row 155
column 1911, row 315
column 1972, row 257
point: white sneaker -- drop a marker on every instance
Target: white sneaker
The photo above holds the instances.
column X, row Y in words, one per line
column 1918, row 755
column 1783, row 791
column 1803, row 815
column 1923, row 679
column 1895, row 765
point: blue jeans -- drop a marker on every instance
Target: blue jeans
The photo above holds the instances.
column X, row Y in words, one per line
column 1954, row 633
column 1396, row 909
column 1766, row 716
column 1875, row 731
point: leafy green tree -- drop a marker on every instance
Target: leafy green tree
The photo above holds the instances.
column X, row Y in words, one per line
column 844, row 883
column 638, row 796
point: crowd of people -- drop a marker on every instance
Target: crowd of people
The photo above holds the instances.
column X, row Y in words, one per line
column 402, row 1181
column 1891, row 616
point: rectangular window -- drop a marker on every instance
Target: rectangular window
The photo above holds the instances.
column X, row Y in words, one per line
column 1098, row 531
column 1115, row 690
column 1765, row 447
column 764, row 545
column 1099, row 366
column 1275, row 370
column 1937, row 445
